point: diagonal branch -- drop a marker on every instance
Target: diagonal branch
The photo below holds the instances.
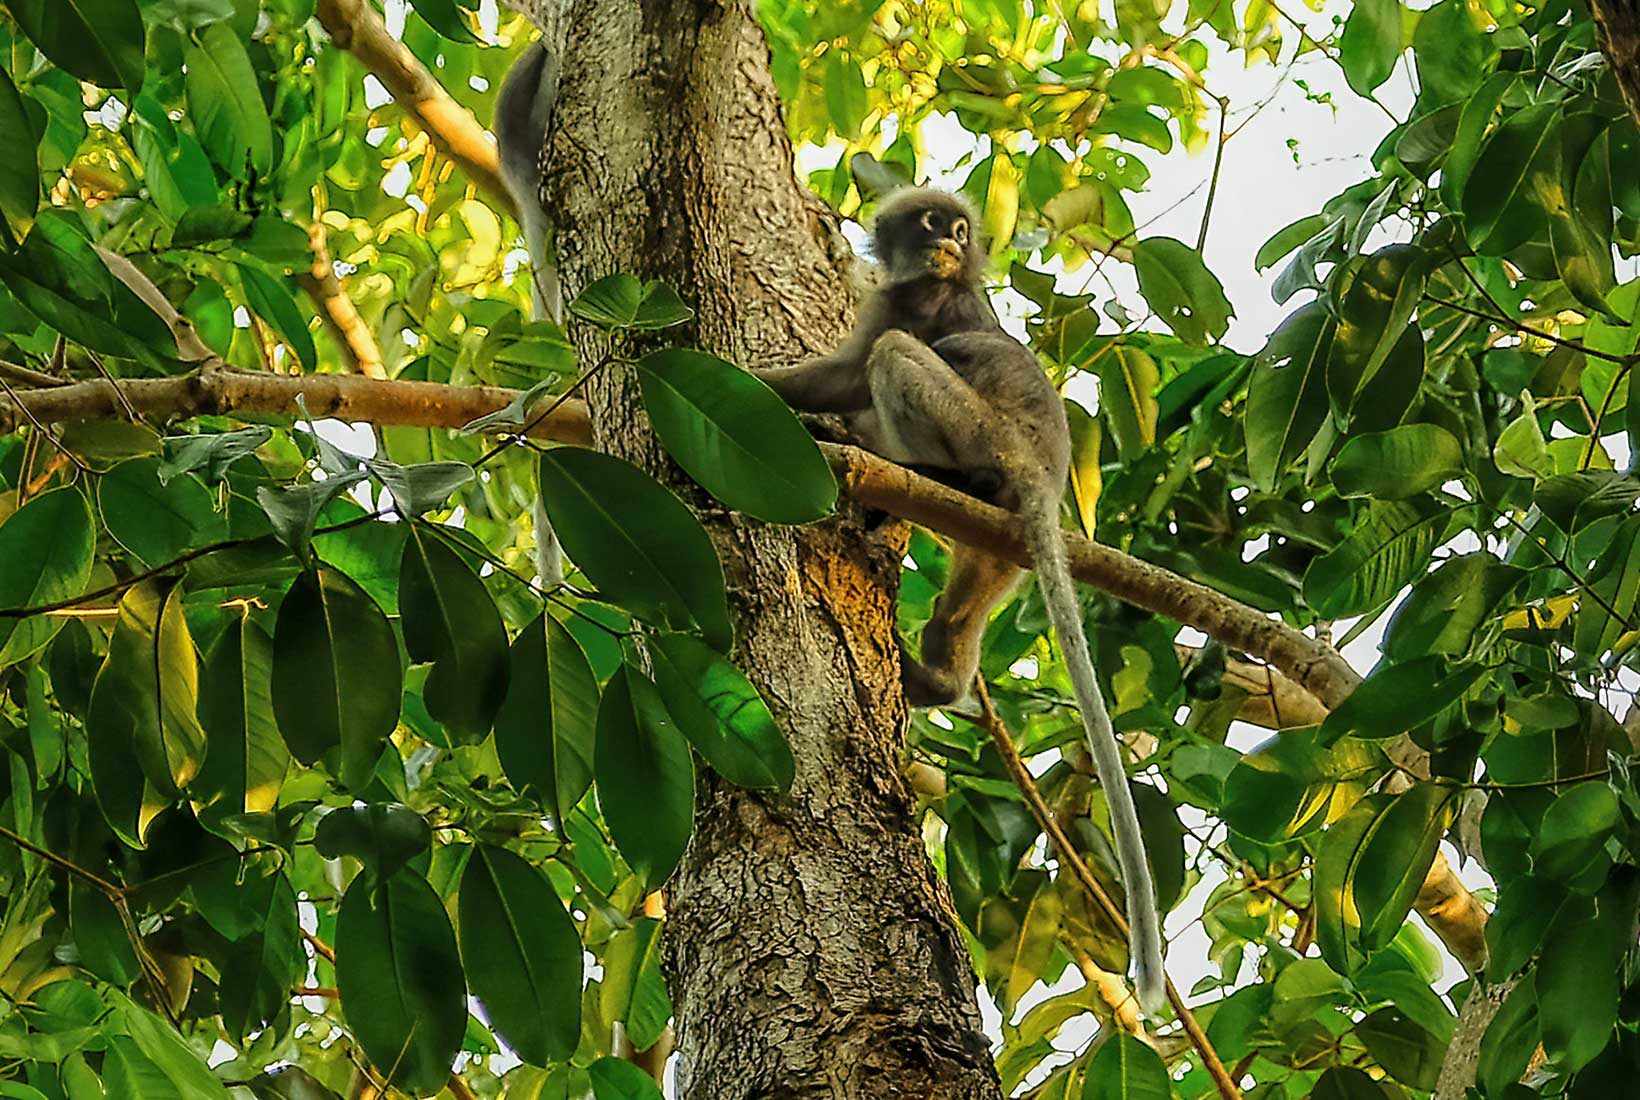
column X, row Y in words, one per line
column 355, row 26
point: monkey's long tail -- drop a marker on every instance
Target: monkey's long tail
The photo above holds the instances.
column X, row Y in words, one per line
column 1053, row 575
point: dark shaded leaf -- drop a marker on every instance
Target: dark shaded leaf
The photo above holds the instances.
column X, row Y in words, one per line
column 646, row 779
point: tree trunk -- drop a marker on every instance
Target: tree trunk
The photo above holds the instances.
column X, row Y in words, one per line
column 811, row 949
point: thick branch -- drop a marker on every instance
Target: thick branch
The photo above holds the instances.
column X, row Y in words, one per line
column 1309, row 676
column 356, row 27
column 1617, row 32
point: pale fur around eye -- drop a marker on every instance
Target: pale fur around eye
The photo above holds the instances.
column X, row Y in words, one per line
column 928, row 220
column 959, row 231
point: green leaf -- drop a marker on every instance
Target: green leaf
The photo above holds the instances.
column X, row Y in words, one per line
column 225, row 102
column 1408, row 1052
column 1300, row 273
column 1370, row 44
column 634, row 989
column 46, row 549
column 621, row 301
column 246, row 759
column 1389, row 549
column 156, row 522
column 636, row 541
column 1399, row 463
column 170, row 1053
column 1128, row 377
column 274, row 304
column 1294, row 784
column 1373, row 315
column 546, row 729
column 522, row 954
column 384, row 835
column 1500, row 211
column 20, row 174
column 846, row 100
column 1574, row 832
column 1510, row 1040
column 735, row 436
column 101, row 41
column 450, row 620
column 1609, row 598
column 1287, row 238
column 263, row 965
column 336, row 675
column 1521, row 450
column 1401, row 697
column 400, row 979
column 1123, row 1068
column 294, row 510
column 146, row 694
column 1369, row 868
column 1579, row 978
column 445, row 17
column 1478, row 112
column 420, row 488
column 1451, row 52
column 646, row 779
column 100, row 936
column 1287, row 393
column 213, row 452
column 1185, row 295
column 721, row 713
column 617, row 1079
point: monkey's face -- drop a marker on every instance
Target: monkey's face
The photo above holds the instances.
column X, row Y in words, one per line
column 923, row 234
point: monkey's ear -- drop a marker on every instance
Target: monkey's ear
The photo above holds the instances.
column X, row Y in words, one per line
column 874, row 178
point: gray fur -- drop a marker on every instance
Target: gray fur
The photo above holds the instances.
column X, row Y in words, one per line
column 523, row 119
column 929, row 379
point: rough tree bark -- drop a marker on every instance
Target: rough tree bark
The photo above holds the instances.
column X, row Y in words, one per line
column 811, row 949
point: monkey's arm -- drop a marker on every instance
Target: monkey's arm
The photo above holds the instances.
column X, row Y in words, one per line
column 827, row 384
column 523, row 116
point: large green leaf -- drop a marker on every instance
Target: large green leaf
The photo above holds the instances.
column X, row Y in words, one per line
column 400, row 979
column 1400, row 697
column 546, row 729
column 1123, row 1068
column 646, row 778
column 636, row 541
column 1609, row 599
column 1575, row 830
column 263, row 965
column 1178, row 286
column 1296, row 784
column 246, row 760
column 735, row 436
column 450, row 620
column 101, row 41
column 20, row 173
column 1580, row 977
column 1370, row 44
column 157, row 520
column 1408, row 1052
column 1377, row 303
column 147, row 693
column 1369, row 868
column 1287, row 393
column 45, row 556
column 721, row 713
column 1389, row 548
column 336, row 674
column 170, row 1054
column 522, row 954
column 1500, row 211
column 1397, row 464
column 383, row 835
column 225, row 102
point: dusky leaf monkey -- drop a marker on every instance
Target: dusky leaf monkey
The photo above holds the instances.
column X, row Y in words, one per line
column 523, row 124
column 928, row 378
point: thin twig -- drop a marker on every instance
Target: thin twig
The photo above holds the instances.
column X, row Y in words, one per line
column 1213, row 181
column 1084, row 877
column 1523, row 327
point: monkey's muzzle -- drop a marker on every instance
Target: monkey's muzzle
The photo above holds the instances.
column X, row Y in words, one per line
column 945, row 261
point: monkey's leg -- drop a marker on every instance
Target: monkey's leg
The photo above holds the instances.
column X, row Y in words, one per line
column 927, row 415
column 827, row 384
column 951, row 640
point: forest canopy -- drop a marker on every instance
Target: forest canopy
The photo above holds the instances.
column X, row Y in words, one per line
column 318, row 783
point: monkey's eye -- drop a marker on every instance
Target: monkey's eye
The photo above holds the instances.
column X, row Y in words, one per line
column 929, row 219
column 959, row 231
